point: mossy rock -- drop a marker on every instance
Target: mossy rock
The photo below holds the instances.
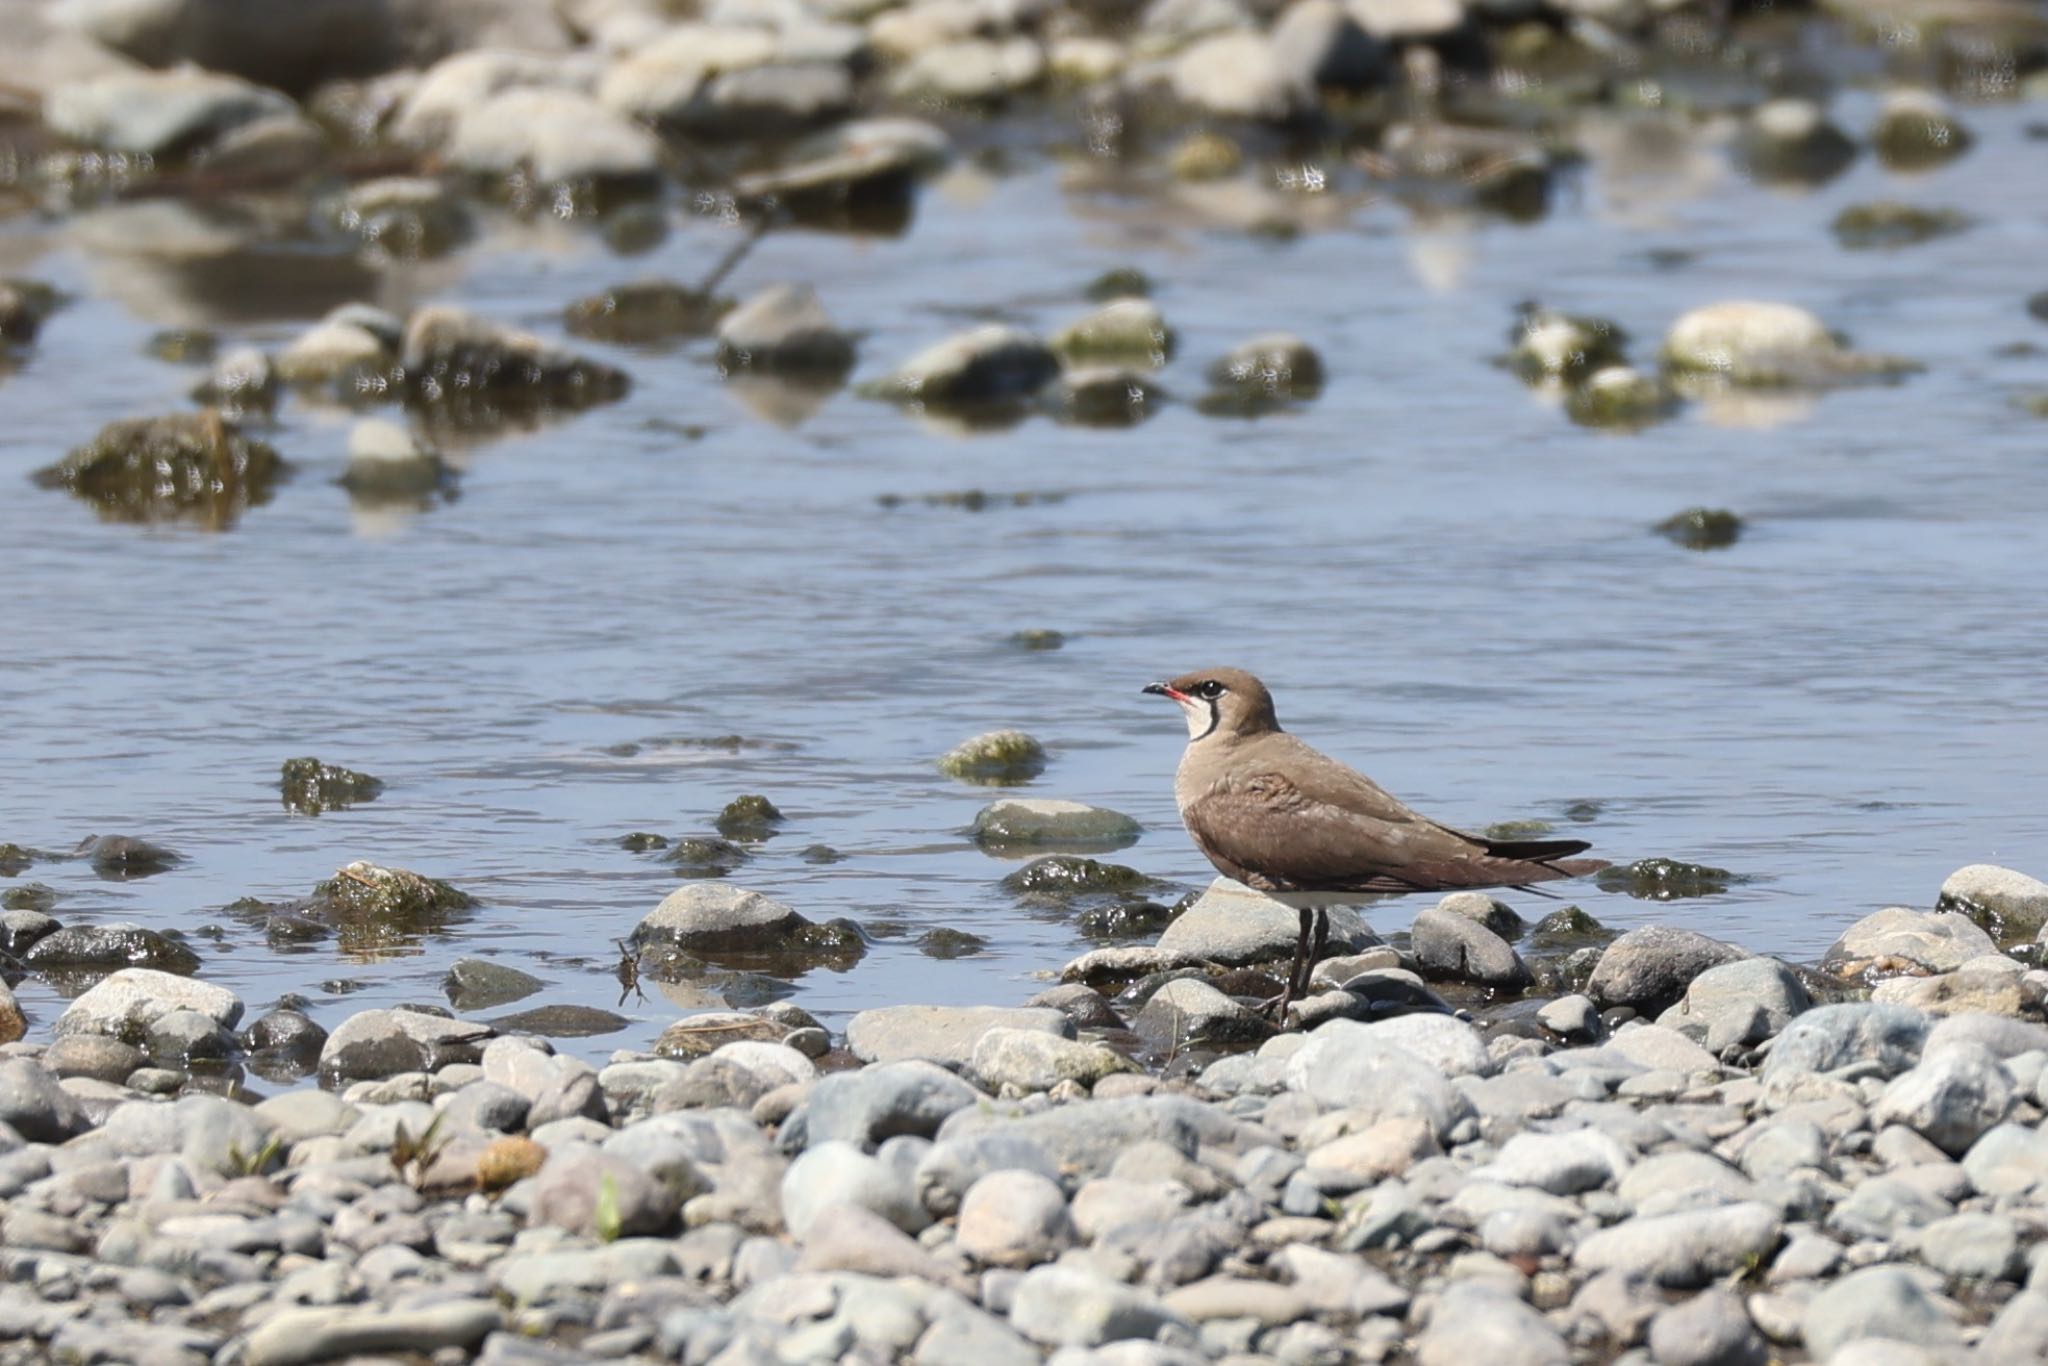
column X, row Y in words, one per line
column 29, row 896
column 997, row 758
column 1121, row 332
column 190, row 466
column 1037, row 640
column 1126, row 919
column 705, row 856
column 183, row 346
column 750, row 816
column 1888, row 223
column 1107, row 396
column 642, row 841
column 312, row 787
column 1619, row 398
column 1702, row 528
column 1568, row 929
column 1119, row 282
column 15, row 859
column 1547, row 344
column 1205, row 156
column 948, row 943
column 1665, row 879
column 1916, row 130
column 371, row 910
column 1063, row 877
column 1520, row 830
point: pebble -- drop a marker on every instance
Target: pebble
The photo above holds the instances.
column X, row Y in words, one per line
column 1014, row 1218
column 942, row 1034
column 1884, row 1302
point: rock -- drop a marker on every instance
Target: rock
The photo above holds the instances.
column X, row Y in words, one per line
column 210, row 1135
column 380, row 1043
column 1970, row 991
column 1107, row 396
column 1701, row 528
column 2009, row 1160
column 1266, row 371
column 2019, row 1333
column 1710, row 1329
column 181, row 1037
column 189, row 465
column 1315, row 43
column 1884, row 1302
column 1971, row 1246
column 1239, row 75
column 1548, row 345
column 2005, row 1039
column 388, row 463
column 455, row 360
column 120, row 945
column 1065, row 1306
column 311, row 787
column 1889, row 224
column 846, row 1237
column 1370, row 1155
column 1767, row 345
column 21, row 927
column 1344, row 1066
column 1951, row 1098
column 1888, row 1038
column 407, row 218
column 715, row 921
column 1563, row 1164
column 586, row 1190
column 242, row 382
column 1086, row 1137
column 1058, row 879
column 479, row 984
column 163, row 114
column 783, row 330
column 749, row 816
column 1626, row 399
column 1743, row 1002
column 1916, row 129
column 1473, row 1321
column 35, row 1106
column 295, row 1337
column 951, row 1168
column 1651, row 967
column 1665, row 879
column 1131, row 332
column 1686, row 1249
column 992, row 364
column 1014, row 1218
column 838, row 1173
column 942, row 1034
column 1898, row 939
column 1030, row 821
column 1573, row 1017
column 128, row 1003
column 1448, row 944
column 645, row 312
column 2009, row 904
column 1034, row 1060
column 1189, row 1012
column 92, row 1055
column 971, row 70
column 861, row 173
column 339, row 355
column 1791, row 141
column 1396, row 20
column 553, row 136
column 1233, row 925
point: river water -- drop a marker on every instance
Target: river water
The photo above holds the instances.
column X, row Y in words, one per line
column 1444, row 581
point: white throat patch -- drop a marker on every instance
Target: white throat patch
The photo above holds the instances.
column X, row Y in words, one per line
column 1200, row 716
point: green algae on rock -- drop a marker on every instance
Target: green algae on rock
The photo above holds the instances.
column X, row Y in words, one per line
column 1889, row 223
column 1769, row 345
column 476, row 374
column 1665, row 879
column 1701, row 528
column 1025, row 822
column 187, row 466
column 1551, row 345
column 311, row 787
column 705, row 856
column 1123, row 332
column 749, row 816
column 1062, row 877
column 1119, row 282
column 1619, row 398
column 947, row 943
column 1917, row 130
column 997, row 758
column 1037, row 639
column 372, row 911
column 1267, row 373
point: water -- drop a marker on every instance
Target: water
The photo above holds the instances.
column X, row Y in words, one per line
column 1443, row 580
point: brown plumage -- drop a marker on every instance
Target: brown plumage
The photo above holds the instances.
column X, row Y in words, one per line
column 1286, row 819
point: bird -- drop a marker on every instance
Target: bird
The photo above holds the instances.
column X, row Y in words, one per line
column 1286, row 819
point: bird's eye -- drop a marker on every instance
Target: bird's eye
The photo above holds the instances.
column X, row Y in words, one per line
column 1209, row 689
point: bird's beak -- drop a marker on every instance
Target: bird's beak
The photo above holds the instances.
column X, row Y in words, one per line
column 1165, row 690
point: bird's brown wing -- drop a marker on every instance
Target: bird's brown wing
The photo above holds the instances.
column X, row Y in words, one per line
column 1268, row 832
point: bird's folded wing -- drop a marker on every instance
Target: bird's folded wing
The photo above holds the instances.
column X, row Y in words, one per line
column 1269, row 826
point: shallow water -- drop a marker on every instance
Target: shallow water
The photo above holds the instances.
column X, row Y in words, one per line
column 1444, row 581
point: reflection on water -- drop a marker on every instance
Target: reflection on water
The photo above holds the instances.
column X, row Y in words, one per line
column 1448, row 584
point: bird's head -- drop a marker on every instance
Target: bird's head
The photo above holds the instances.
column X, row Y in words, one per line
column 1226, row 702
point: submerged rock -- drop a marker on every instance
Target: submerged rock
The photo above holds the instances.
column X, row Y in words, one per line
column 1888, row 223
column 1105, row 396
column 1791, row 141
column 475, row 370
column 749, row 816
column 243, row 381
column 783, row 330
column 1127, row 331
column 387, row 463
column 312, row 787
column 1768, row 345
column 1702, row 528
column 1620, row 397
column 1664, row 879
column 1267, row 372
column 997, row 758
column 120, row 857
column 702, row 855
column 192, row 466
column 989, row 365
column 409, row 218
column 1916, row 130
column 1552, row 345
column 1025, row 822
column 646, row 312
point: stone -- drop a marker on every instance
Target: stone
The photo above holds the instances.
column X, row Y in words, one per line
column 1650, row 968
column 1654, row 1046
column 113, row 946
column 35, row 1106
column 295, row 1337
column 1572, row 1017
column 479, row 984
column 1710, row 1329
column 839, row 1173
column 386, row 461
column 1086, row 1137
column 946, row 1173
column 1129, row 332
column 379, row 1043
column 941, row 1034
column 1887, row 1038
column 1371, row 1154
column 1899, row 939
column 1884, row 1302
column 336, row 354
column 1669, row 1182
column 1448, row 944
column 1972, row 1246
column 1739, row 1003
column 972, row 70
column 988, row 365
column 210, row 1134
column 128, row 1003
column 1684, row 1250
column 1452, row 1046
column 2018, row 1334
column 1189, row 1012
column 1231, row 924
column 783, row 329
column 1316, row 43
column 2006, row 902
column 1748, row 343
column 1031, row 821
column 2011, row 1159
column 1343, row 1067
column 164, row 114
column 1034, row 1060
column 586, row 1190
column 867, row 1106
column 1563, row 1164
column 1473, row 1321
column 1397, row 20
column 92, row 1055
column 1968, row 991
column 1014, row 1218
column 846, row 1237
column 311, row 787
column 1916, row 129
column 1951, row 1098
column 1063, row 1306
column 555, row 136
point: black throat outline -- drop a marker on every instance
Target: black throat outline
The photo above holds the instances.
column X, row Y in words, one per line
column 1215, row 718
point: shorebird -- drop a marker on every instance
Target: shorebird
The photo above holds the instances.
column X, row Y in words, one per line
column 1288, row 820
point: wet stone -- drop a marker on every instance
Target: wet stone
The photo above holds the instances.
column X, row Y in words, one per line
column 312, row 787
column 702, row 855
column 389, row 464
column 738, row 928
column 1027, row 821
column 1890, row 224
column 191, row 466
column 989, row 365
column 77, row 947
column 1000, row 758
column 479, row 983
column 784, row 329
column 2008, row 903
column 645, row 312
column 1702, row 528
column 1266, row 372
column 750, row 816
column 1552, row 345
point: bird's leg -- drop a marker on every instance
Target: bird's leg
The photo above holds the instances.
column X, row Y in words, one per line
column 1278, row 1005
column 1314, row 951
